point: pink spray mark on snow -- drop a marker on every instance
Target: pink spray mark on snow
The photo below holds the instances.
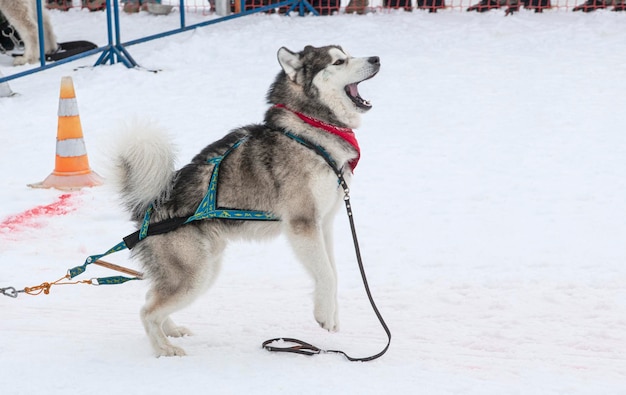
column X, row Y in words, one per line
column 29, row 218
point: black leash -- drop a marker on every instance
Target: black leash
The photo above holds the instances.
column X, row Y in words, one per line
column 305, row 348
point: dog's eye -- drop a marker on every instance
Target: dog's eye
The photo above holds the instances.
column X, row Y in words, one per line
column 339, row 62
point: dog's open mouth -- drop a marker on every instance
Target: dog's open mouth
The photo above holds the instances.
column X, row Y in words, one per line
column 352, row 90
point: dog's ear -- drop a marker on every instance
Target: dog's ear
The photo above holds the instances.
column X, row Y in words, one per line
column 290, row 62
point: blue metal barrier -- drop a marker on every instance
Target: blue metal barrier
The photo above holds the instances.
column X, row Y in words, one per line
column 115, row 50
column 119, row 52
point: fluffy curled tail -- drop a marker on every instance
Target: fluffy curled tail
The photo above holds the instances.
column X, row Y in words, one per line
column 143, row 166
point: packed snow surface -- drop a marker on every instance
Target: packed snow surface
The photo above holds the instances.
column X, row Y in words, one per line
column 490, row 204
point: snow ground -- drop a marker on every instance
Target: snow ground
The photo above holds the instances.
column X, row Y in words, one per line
column 489, row 202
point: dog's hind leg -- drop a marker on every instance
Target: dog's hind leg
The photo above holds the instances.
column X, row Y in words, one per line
column 155, row 315
column 307, row 240
column 181, row 268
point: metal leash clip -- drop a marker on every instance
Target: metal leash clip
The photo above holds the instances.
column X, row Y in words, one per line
column 10, row 292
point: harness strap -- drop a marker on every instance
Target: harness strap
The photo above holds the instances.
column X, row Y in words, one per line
column 321, row 152
column 344, row 133
column 78, row 270
column 156, row 228
column 208, row 209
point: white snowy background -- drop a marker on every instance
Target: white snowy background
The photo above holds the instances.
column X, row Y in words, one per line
column 490, row 203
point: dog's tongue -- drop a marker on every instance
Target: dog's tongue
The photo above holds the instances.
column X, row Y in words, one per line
column 354, row 90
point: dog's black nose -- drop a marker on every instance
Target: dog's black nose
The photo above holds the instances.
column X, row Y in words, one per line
column 374, row 60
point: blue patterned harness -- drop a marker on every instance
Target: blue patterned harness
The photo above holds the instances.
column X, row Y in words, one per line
column 207, row 209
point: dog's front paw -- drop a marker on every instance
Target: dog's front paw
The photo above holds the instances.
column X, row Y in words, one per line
column 330, row 326
column 327, row 318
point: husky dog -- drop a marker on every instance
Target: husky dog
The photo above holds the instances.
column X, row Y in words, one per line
column 22, row 14
column 263, row 167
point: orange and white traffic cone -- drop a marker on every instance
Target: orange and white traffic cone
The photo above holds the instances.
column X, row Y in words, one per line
column 71, row 168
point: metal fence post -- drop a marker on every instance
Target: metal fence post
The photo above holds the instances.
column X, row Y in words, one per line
column 40, row 28
column 181, row 10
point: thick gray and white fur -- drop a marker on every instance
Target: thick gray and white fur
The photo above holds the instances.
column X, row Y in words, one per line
column 22, row 15
column 269, row 172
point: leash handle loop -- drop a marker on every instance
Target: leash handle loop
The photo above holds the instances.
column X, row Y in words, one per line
column 301, row 347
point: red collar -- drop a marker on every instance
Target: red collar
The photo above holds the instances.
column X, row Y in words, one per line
column 345, row 133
